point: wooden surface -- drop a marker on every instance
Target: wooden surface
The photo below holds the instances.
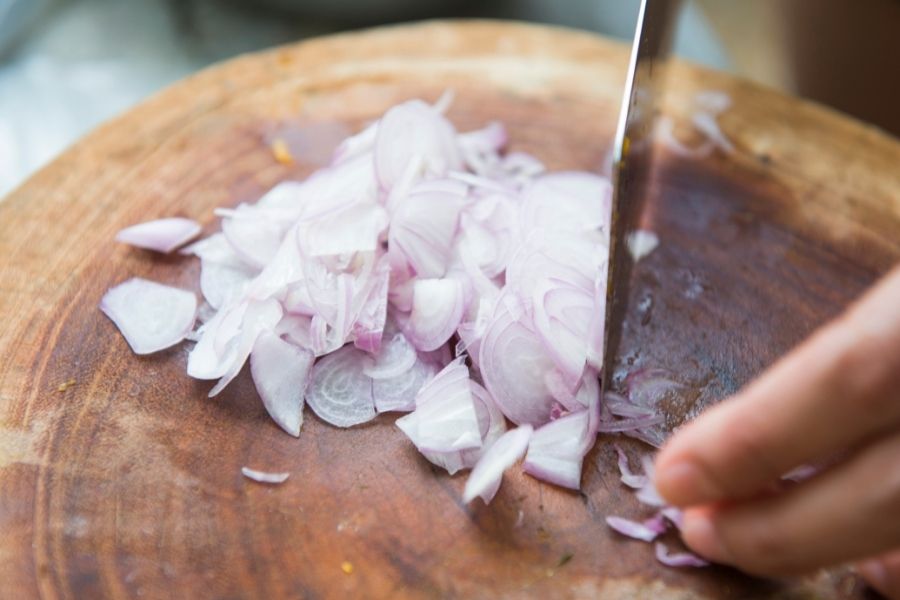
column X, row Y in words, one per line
column 126, row 482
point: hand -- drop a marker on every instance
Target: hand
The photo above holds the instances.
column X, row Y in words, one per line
column 834, row 400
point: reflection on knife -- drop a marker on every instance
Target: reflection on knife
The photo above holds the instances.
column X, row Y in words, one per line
column 632, row 156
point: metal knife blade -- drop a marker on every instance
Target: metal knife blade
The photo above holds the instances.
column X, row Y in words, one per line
column 632, row 159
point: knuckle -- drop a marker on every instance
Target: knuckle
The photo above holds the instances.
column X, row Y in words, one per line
column 887, row 470
column 892, row 579
column 759, row 549
column 748, row 459
column 866, row 370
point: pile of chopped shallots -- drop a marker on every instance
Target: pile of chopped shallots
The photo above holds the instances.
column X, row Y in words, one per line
column 425, row 272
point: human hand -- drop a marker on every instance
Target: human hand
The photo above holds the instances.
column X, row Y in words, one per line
column 834, row 400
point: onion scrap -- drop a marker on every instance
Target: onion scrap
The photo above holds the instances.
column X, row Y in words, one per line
column 161, row 235
column 664, row 518
column 263, row 476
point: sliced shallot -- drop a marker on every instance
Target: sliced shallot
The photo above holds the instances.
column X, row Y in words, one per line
column 263, row 476
column 633, row 529
column 396, row 357
column 150, row 315
column 437, row 310
column 485, row 478
column 444, row 419
column 161, row 235
column 678, row 559
column 641, row 242
column 340, row 393
column 513, row 363
column 348, row 291
column 281, row 373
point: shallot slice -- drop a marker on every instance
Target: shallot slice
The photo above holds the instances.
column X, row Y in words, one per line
column 492, row 425
column 399, row 393
column 396, row 357
column 424, row 227
column 485, row 478
column 571, row 202
column 655, row 526
column 281, row 373
column 648, row 494
column 437, row 310
column 678, row 559
column 414, row 129
column 224, row 275
column 444, row 419
column 353, row 229
column 340, row 393
column 258, row 318
column 151, row 316
column 206, row 360
column 557, row 449
column 629, row 478
column 252, row 235
column 161, row 235
column 641, row 242
column 520, row 391
column 562, row 317
column 263, row 476
column 633, row 529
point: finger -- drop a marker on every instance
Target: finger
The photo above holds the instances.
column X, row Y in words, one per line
column 838, row 388
column 850, row 511
column 883, row 574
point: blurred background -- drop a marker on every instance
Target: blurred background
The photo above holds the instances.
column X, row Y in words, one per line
column 67, row 65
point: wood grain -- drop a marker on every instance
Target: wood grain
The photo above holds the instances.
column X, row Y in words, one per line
column 127, row 483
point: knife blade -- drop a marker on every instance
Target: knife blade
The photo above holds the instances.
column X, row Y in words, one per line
column 632, row 161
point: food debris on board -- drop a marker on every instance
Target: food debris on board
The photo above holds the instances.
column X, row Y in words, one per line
column 65, row 385
column 263, row 476
column 664, row 518
column 641, row 242
column 281, row 152
column 424, row 271
column 161, row 235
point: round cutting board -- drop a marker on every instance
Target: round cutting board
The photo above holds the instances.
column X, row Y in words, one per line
column 120, row 479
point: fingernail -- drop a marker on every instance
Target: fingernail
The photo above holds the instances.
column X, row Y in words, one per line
column 699, row 533
column 683, row 484
column 874, row 572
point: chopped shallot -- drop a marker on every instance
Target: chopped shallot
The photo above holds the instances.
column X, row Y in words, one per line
column 485, row 478
column 678, row 559
column 664, row 517
column 281, row 372
column 150, row 315
column 161, row 235
column 641, row 243
column 347, row 291
column 633, row 529
column 264, row 477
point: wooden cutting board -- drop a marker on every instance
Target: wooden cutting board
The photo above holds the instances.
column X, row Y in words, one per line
column 120, row 479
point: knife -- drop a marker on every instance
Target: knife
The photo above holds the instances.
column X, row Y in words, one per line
column 632, row 161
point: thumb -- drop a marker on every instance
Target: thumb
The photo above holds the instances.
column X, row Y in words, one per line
column 883, row 574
